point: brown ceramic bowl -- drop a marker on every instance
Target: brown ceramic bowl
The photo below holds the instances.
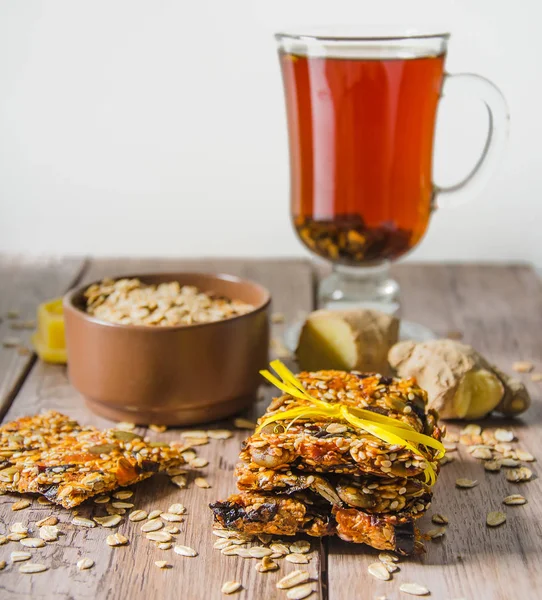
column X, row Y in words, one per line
column 170, row 375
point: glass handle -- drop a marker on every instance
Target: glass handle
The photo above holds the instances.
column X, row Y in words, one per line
column 499, row 121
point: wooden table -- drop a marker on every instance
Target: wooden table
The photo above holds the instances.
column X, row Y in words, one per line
column 499, row 309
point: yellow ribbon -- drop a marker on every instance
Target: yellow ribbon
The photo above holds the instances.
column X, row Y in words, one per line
column 384, row 428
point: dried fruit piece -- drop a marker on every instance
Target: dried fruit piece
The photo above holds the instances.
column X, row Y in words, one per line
column 466, row 483
column 185, row 551
column 266, row 565
column 514, row 500
column 495, row 518
column 415, row 589
column 85, row 563
column 293, row 579
column 230, row 587
column 378, row 570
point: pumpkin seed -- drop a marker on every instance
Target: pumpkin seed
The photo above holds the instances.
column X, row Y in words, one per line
column 126, row 436
column 101, row 449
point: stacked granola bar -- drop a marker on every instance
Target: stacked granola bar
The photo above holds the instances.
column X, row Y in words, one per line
column 339, row 471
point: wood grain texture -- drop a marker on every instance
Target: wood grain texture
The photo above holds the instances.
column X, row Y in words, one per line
column 499, row 310
column 24, row 283
column 130, row 571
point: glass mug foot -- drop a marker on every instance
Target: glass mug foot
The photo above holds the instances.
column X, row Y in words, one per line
column 359, row 287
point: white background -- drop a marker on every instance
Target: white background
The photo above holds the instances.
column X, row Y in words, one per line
column 158, row 128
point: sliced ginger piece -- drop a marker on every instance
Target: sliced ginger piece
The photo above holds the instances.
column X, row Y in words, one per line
column 349, row 340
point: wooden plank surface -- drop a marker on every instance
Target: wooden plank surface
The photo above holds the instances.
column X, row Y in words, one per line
column 24, row 283
column 130, row 571
column 499, row 310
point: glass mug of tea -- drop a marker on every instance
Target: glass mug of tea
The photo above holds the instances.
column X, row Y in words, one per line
column 361, row 115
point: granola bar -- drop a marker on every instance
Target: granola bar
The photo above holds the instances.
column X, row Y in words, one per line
column 52, row 455
column 253, row 513
column 375, row 495
column 320, row 445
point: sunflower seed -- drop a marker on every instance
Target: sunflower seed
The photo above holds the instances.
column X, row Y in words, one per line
column 241, row 423
column 117, row 539
column 179, row 481
column 297, row 559
column 495, row 518
column 164, row 545
column 173, row 530
column 159, row 536
column 161, row 564
column 439, row 519
column 154, row 514
column 518, row 475
column 230, row 587
column 266, row 565
column 20, row 504
column 102, row 499
column 415, row 589
column 18, row 528
column 85, row 563
column 137, row 515
column 379, row 571
column 482, row 453
column 436, row 533
column 471, row 429
column 524, row 456
column 292, row 579
column 260, row 551
column 32, row 568
column 492, row 465
column 32, row 542
column 152, row 525
column 523, row 366
column 19, row 556
column 514, row 500
column 300, row 592
column 185, row 551
column 504, row 435
column 172, row 518
column 16, row 537
column 123, row 494
column 157, row 428
column 199, row 463
column 387, row 557
column 177, row 509
column 465, row 483
column 300, row 547
column 109, row 521
column 47, row 521
column 82, row 522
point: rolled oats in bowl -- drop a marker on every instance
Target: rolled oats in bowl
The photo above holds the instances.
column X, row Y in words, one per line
column 132, row 302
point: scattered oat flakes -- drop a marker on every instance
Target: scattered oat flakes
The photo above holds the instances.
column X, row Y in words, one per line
column 300, row 592
column 19, row 556
column 230, row 550
column 172, row 529
column 492, row 465
column 179, row 480
column 259, row 551
column 177, row 509
column 219, row 434
column 185, row 551
column 18, row 528
column 32, row 568
column 23, row 351
column 122, row 504
column 194, row 433
column 81, row 521
column 437, row 532
column 161, row 564
column 514, row 500
column 387, row 557
column 504, row 435
column 49, row 533
column 164, row 545
column 446, row 459
column 171, row 517
column 465, row 483
column 439, row 519
column 524, row 456
column 11, row 342
column 85, row 563
column 117, row 539
column 293, row 579
column 495, row 518
column 159, row 536
column 297, row 559
column 230, row 587
column 201, row 482
column 32, row 542
column 300, row 547
column 266, row 565
column 241, row 423
column 518, row 475
column 114, row 510
column 123, row 494
column 157, row 428
column 265, row 538
column 103, row 499
column 43, row 501
column 152, row 525
column 109, row 521
column 125, row 426
column 482, row 453
column 16, row 537
column 522, row 366
column 199, row 441
column 279, row 348
column 198, row 463
column 21, row 504
column 415, row 589
column 154, row 514
column 137, row 515
column 471, row 429
column 450, row 446
column 378, row 570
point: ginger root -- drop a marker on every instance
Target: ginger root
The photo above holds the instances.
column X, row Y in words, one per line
column 459, row 381
column 357, row 339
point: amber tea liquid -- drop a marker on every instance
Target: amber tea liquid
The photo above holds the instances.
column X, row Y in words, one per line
column 361, row 146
